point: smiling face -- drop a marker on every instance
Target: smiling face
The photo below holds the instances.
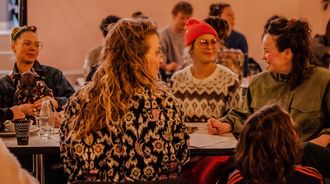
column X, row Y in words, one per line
column 26, row 48
column 154, row 54
column 277, row 61
column 205, row 49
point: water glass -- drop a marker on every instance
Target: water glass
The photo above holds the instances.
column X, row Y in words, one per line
column 46, row 119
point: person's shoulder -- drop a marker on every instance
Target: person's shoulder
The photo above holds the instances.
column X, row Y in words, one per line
column 238, row 34
column 261, row 77
column 321, row 72
column 318, row 75
column 226, row 70
column 95, row 51
column 4, row 78
column 180, row 73
column 308, row 171
column 165, row 29
column 165, row 33
column 46, row 69
column 235, row 177
column 162, row 95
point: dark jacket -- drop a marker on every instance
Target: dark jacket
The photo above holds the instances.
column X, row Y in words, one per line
column 5, row 114
column 53, row 77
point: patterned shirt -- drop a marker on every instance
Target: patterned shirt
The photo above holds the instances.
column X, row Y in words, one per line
column 209, row 97
column 149, row 143
column 232, row 59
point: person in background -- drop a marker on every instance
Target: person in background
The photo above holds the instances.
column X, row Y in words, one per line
column 205, row 89
column 172, row 39
column 320, row 46
column 269, row 151
column 139, row 14
column 230, row 58
column 124, row 125
column 235, row 39
column 93, row 59
column 289, row 80
column 26, row 46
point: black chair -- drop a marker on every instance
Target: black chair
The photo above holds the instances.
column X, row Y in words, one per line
column 166, row 181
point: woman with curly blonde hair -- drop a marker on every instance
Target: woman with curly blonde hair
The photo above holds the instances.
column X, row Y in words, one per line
column 123, row 125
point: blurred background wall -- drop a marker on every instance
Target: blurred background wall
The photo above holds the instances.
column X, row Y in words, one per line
column 69, row 28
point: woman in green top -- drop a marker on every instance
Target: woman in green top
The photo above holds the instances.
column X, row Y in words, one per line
column 302, row 89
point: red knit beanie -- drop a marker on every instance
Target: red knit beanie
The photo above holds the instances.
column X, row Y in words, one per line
column 195, row 28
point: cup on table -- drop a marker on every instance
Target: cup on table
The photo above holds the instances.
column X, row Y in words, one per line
column 22, row 129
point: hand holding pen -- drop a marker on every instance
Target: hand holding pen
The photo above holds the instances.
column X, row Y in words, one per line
column 215, row 126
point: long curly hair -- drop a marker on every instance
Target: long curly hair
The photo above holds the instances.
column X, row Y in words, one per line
column 123, row 69
column 296, row 35
column 268, row 146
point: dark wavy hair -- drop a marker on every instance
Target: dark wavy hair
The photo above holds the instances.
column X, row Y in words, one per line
column 105, row 23
column 220, row 25
column 217, row 9
column 268, row 146
column 295, row 35
column 184, row 7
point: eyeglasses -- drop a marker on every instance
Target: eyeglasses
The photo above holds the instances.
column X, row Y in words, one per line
column 203, row 43
column 28, row 44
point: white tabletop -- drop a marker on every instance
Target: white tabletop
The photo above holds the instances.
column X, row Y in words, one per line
column 43, row 145
column 203, row 143
column 37, row 144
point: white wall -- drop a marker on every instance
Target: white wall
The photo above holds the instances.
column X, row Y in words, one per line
column 69, row 28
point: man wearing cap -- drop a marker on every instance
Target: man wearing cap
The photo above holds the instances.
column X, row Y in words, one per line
column 206, row 89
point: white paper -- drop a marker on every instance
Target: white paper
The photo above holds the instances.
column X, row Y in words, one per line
column 204, row 140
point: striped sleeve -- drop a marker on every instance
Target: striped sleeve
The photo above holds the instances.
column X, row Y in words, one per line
column 235, row 177
column 309, row 171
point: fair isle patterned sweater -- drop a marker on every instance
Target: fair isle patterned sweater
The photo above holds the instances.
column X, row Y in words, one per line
column 209, row 97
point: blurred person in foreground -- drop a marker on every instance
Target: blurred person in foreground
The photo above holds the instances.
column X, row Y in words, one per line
column 124, row 125
column 269, row 151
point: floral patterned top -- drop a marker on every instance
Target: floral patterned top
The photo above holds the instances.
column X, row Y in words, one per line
column 150, row 143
